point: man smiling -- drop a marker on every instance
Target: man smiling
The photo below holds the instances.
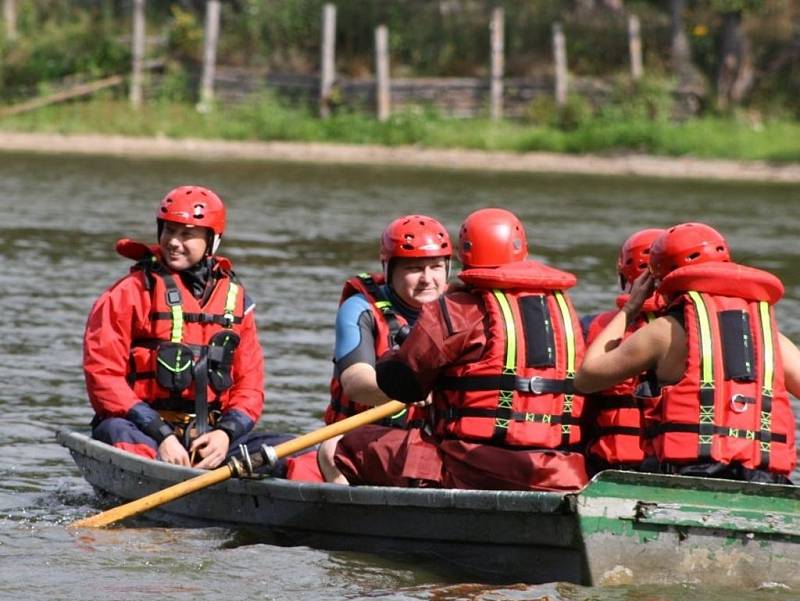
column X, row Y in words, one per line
column 173, row 366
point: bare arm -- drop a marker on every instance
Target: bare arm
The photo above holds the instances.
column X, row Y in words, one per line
column 790, row 355
column 608, row 359
column 360, row 384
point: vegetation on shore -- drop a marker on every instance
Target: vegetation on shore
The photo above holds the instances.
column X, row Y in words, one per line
column 265, row 118
column 60, row 42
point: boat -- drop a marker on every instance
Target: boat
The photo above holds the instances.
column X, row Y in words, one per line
column 622, row 528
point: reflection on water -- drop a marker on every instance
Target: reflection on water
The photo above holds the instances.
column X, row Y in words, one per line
column 295, row 233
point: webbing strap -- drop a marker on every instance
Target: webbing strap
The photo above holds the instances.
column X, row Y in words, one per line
column 383, row 304
column 768, row 361
column 173, row 299
column 707, row 386
column 230, row 303
column 570, row 344
column 506, row 396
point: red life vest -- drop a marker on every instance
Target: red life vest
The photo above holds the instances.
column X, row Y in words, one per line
column 731, row 404
column 617, row 415
column 388, row 322
column 184, row 343
column 520, row 392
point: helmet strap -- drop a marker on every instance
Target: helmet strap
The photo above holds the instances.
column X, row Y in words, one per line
column 214, row 245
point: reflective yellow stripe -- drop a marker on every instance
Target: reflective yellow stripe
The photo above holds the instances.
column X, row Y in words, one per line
column 769, row 348
column 511, row 333
column 230, row 302
column 177, row 323
column 383, row 305
column 707, row 375
column 569, row 332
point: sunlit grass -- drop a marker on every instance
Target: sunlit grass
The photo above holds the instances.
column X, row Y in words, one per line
column 266, row 119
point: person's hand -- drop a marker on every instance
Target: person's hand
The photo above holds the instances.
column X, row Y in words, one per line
column 211, row 447
column 641, row 289
column 171, row 451
column 425, row 402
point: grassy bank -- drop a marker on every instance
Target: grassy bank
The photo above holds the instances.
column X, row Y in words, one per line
column 266, row 119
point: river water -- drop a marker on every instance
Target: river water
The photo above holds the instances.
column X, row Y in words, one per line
column 295, row 233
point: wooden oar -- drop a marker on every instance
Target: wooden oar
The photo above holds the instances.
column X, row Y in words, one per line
column 221, row 474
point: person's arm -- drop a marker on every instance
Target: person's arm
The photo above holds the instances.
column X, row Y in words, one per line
column 106, row 349
column 436, row 340
column 244, row 403
column 360, row 384
column 608, row 360
column 790, row 356
column 354, row 352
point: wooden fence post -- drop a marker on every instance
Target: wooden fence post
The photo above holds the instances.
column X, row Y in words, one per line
column 635, row 47
column 328, row 59
column 10, row 18
column 382, row 72
column 209, row 56
column 137, row 71
column 497, row 29
column 560, row 58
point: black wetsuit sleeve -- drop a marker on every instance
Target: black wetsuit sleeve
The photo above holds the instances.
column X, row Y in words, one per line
column 364, row 351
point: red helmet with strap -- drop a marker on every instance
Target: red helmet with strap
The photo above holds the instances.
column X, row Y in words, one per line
column 686, row 244
column 490, row 238
column 415, row 236
column 634, row 255
column 194, row 205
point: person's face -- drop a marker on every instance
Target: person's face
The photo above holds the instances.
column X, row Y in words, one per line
column 419, row 281
column 182, row 245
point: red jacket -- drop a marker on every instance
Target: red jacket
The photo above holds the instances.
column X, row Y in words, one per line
column 128, row 313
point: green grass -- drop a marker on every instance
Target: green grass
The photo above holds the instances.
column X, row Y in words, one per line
column 264, row 118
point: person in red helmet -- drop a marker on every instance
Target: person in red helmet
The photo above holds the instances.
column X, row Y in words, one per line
column 724, row 369
column 615, row 417
column 375, row 314
column 172, row 361
column 498, row 358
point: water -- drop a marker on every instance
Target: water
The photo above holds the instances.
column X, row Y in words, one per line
column 295, row 233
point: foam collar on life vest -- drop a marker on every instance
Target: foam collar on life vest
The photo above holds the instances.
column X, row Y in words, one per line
column 522, row 274
column 724, row 279
column 139, row 251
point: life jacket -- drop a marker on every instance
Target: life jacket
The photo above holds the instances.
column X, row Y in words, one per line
column 618, row 413
column 390, row 325
column 520, row 392
column 731, row 406
column 183, row 364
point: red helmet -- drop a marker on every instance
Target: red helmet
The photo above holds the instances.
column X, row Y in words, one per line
column 491, row 237
column 194, row 205
column 686, row 244
column 633, row 255
column 415, row 236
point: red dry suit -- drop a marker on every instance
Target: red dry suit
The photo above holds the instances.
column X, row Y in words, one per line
column 149, row 315
column 388, row 322
column 731, row 406
column 616, row 416
column 500, row 357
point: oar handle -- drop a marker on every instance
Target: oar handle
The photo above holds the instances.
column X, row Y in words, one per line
column 223, row 473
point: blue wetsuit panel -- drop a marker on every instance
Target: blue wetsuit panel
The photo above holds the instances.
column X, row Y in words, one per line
column 355, row 333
